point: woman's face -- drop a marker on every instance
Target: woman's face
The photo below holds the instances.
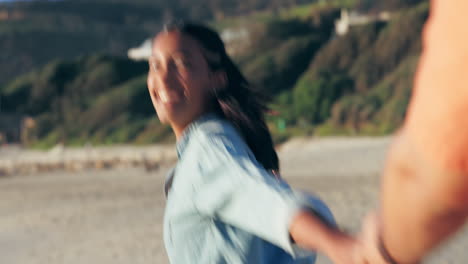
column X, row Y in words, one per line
column 179, row 78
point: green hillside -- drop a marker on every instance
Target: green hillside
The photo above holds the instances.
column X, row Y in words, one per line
column 319, row 83
column 37, row 32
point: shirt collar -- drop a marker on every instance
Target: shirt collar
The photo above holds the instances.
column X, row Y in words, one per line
column 184, row 139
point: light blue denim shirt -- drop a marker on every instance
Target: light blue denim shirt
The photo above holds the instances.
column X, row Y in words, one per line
column 224, row 207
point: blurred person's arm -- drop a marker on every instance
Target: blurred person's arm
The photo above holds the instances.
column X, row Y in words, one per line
column 425, row 184
column 422, row 204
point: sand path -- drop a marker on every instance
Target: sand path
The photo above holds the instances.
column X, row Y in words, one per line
column 114, row 216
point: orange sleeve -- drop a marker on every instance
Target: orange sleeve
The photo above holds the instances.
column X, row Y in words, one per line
column 437, row 120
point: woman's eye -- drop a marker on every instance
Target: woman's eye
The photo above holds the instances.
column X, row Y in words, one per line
column 181, row 63
column 154, row 66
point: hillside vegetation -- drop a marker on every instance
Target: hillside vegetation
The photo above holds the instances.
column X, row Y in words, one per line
column 319, row 83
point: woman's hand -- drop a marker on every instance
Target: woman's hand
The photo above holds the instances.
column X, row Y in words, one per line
column 369, row 239
column 309, row 232
column 342, row 248
column 373, row 250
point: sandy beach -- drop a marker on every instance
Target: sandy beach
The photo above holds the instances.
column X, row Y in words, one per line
column 114, row 215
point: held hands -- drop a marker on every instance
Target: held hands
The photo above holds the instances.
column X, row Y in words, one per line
column 311, row 233
column 344, row 249
column 364, row 249
column 372, row 250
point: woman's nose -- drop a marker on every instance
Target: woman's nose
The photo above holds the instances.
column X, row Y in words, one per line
column 166, row 78
column 166, row 74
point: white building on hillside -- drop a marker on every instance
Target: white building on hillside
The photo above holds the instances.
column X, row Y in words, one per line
column 349, row 19
column 142, row 52
column 234, row 39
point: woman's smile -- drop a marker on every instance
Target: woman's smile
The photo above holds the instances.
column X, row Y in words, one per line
column 169, row 97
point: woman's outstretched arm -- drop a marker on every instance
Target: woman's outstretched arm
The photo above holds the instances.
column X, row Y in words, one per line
column 310, row 232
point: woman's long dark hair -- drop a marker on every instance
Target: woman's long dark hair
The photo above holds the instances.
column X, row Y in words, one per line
column 235, row 101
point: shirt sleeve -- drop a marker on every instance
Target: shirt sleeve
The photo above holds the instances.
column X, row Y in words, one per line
column 237, row 190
